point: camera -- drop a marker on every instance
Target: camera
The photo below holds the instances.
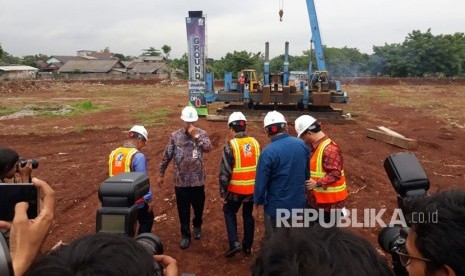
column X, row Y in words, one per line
column 410, row 183
column 12, row 193
column 118, row 195
column 23, row 162
column 118, row 214
column 392, row 239
column 154, row 246
column 6, row 268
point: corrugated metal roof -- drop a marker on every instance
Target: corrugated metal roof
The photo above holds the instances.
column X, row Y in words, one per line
column 90, row 66
column 127, row 64
column 63, row 59
column 18, row 68
column 146, row 67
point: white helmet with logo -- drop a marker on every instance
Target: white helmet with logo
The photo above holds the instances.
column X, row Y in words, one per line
column 303, row 123
column 189, row 114
column 273, row 117
column 140, row 130
column 236, row 116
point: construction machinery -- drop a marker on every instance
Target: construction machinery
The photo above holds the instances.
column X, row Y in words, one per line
column 313, row 95
column 251, row 80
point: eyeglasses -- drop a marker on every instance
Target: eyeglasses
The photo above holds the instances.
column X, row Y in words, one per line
column 405, row 258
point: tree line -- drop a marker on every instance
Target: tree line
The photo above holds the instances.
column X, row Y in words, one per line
column 421, row 54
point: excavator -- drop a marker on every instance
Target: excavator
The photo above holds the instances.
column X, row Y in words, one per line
column 315, row 96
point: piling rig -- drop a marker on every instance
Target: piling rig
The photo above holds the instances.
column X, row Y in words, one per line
column 313, row 95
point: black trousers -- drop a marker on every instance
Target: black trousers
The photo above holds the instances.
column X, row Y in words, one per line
column 230, row 209
column 185, row 198
column 145, row 219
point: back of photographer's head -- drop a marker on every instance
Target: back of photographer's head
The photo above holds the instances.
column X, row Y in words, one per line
column 96, row 254
column 8, row 160
column 436, row 236
column 318, row 251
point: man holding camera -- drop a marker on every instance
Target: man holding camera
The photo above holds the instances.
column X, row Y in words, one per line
column 128, row 158
column 27, row 235
column 10, row 164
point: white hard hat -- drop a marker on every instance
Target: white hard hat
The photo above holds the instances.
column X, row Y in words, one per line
column 303, row 123
column 141, row 130
column 189, row 114
column 236, row 116
column 273, row 117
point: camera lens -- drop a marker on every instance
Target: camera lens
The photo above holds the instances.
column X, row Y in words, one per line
column 154, row 246
column 151, row 242
column 389, row 237
column 34, row 163
column 5, row 259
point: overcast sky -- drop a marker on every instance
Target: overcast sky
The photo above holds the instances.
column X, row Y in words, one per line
column 61, row 27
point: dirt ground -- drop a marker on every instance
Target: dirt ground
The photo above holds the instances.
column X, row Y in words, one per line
column 73, row 152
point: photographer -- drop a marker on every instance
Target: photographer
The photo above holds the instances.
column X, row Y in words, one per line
column 10, row 165
column 436, row 247
column 27, row 235
column 102, row 254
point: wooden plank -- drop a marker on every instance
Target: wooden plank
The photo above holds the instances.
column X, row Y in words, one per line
column 401, row 142
column 390, row 131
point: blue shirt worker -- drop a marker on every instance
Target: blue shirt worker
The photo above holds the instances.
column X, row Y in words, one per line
column 128, row 158
column 237, row 178
column 283, row 168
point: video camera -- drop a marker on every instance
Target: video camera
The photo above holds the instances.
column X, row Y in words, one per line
column 410, row 182
column 118, row 214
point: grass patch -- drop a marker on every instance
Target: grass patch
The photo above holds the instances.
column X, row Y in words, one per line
column 66, row 110
column 7, row 110
column 153, row 118
column 85, row 106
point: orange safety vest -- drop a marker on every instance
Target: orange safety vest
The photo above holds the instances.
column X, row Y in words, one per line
column 246, row 151
column 334, row 192
column 120, row 160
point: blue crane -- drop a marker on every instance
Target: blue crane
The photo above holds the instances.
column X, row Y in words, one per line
column 316, row 37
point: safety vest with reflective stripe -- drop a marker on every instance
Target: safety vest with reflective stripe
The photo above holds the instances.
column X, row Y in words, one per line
column 334, row 192
column 120, row 160
column 246, row 151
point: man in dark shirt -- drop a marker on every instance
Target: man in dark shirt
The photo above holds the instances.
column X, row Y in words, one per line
column 283, row 168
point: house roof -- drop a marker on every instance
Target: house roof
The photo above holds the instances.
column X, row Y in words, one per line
column 102, row 55
column 127, row 64
column 150, row 58
column 63, row 59
column 90, row 66
column 18, row 68
column 146, row 68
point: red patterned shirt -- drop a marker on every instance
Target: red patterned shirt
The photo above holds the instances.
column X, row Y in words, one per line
column 333, row 164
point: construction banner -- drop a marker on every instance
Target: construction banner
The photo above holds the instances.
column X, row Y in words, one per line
column 195, row 25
